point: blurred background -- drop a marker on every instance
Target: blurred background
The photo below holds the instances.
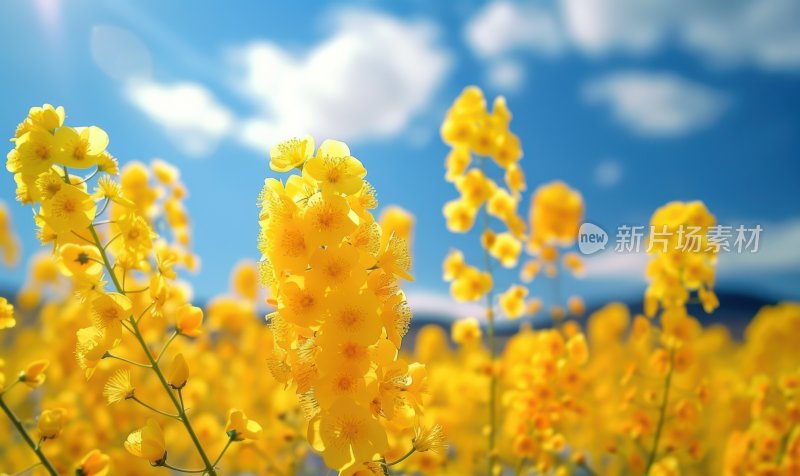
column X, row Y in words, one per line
column 632, row 103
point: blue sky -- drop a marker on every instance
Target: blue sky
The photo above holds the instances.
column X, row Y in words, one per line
column 634, row 105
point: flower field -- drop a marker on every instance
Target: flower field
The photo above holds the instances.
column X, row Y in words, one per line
column 306, row 364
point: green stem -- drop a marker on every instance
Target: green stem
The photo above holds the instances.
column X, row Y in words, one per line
column 29, row 468
column 181, row 470
column 222, row 453
column 25, row 436
column 492, row 345
column 384, row 467
column 8, row 389
column 662, row 413
column 402, row 458
column 109, row 355
column 149, row 407
column 166, row 344
column 209, row 468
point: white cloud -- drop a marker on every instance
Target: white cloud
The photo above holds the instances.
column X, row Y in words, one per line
column 657, row 104
column 502, row 27
column 762, row 33
column 608, row 173
column 778, row 252
column 507, row 75
column 369, row 79
column 597, row 26
column 189, row 113
column 442, row 305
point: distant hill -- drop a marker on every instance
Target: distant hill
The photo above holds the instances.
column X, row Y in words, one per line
column 734, row 312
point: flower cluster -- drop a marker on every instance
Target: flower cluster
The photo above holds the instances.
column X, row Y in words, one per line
column 332, row 273
column 676, row 270
column 122, row 274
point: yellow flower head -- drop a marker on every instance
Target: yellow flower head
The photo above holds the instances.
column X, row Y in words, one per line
column 7, row 320
column 119, row 387
column 466, row 331
column 189, row 320
column 291, row 154
column 148, row 443
column 80, row 261
column 335, row 169
column 33, row 376
column 95, row 463
column 556, row 214
column 51, row 422
column 453, row 265
column 241, row 428
column 68, row 209
column 512, row 302
column 327, row 219
column 80, row 149
column 178, row 372
column 460, row 215
column 471, row 285
column 110, row 309
column 429, row 439
column 506, row 248
column 347, row 434
column 35, row 153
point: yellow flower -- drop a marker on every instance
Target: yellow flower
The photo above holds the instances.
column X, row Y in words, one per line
column 397, row 221
column 334, row 267
column 119, row 387
column 460, row 215
column 80, row 261
column 34, row 376
column 556, row 214
column 80, row 149
column 109, row 189
column 51, row 422
column 244, row 280
column 335, row 169
column 148, row 443
column 189, row 320
column 578, row 350
column 506, row 249
column 35, row 152
column 178, row 372
column 429, row 439
column 95, row 463
column 353, row 315
column 47, row 118
column 110, row 309
column 165, row 172
column 471, row 285
column 466, row 331
column 327, row 219
column 396, row 258
column 301, row 304
column 512, row 302
column 575, row 306
column 475, row 187
column 136, row 235
column 7, row 320
column 508, row 150
column 290, row 154
column 92, row 343
column 453, row 265
column 240, row 428
column 347, row 434
column 457, row 162
column 69, row 209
